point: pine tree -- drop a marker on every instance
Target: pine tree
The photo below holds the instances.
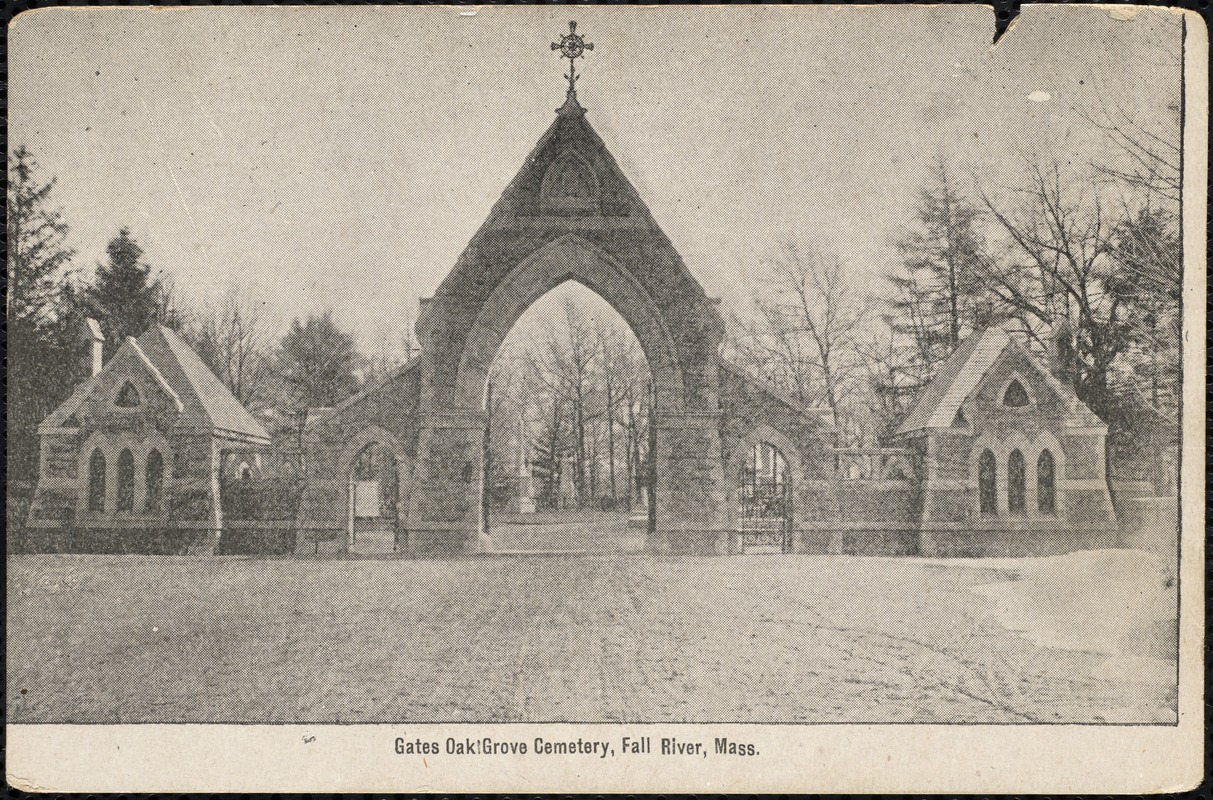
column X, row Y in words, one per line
column 37, row 245
column 40, row 350
column 938, row 297
column 124, row 297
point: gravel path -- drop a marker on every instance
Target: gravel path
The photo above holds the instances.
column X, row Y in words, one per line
column 610, row 637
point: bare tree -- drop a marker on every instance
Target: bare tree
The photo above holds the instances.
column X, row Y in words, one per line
column 1147, row 252
column 567, row 357
column 808, row 322
column 1151, row 158
column 235, row 338
column 1144, row 169
column 623, row 375
column 891, row 380
column 1057, row 266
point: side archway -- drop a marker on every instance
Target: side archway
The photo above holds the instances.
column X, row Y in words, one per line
column 396, row 462
column 764, row 449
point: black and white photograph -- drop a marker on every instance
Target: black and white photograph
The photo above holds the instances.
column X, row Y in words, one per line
column 761, row 369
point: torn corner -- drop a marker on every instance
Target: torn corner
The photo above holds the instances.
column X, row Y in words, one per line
column 1005, row 17
column 24, row 784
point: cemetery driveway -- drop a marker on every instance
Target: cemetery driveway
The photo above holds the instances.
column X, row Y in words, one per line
column 590, row 638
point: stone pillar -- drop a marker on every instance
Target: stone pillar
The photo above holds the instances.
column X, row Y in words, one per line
column 444, row 501
column 193, row 495
column 1082, row 482
column 692, row 514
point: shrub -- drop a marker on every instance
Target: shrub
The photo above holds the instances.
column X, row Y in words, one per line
column 265, row 498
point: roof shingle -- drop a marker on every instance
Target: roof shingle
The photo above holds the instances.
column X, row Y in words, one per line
column 203, row 393
column 938, row 403
column 200, row 397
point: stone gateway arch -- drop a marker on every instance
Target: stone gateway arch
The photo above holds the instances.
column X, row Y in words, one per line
column 152, row 453
column 569, row 214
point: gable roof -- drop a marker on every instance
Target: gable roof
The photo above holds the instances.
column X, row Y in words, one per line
column 938, row 402
column 202, row 392
column 200, row 397
column 822, row 414
column 519, row 205
column 129, row 352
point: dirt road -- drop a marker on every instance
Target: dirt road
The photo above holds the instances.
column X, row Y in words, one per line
column 614, row 637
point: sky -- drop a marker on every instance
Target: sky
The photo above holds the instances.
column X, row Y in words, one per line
column 342, row 157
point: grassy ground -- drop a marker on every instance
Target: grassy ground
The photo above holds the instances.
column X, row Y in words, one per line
column 599, row 637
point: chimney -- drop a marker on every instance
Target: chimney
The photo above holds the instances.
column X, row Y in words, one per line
column 92, row 335
column 1061, row 352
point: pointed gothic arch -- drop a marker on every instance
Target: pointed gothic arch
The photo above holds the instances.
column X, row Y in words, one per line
column 127, row 396
column 96, row 481
column 1016, row 395
column 987, row 482
column 153, row 482
column 1046, row 483
column 125, row 494
column 569, row 258
column 1017, row 483
column 601, row 235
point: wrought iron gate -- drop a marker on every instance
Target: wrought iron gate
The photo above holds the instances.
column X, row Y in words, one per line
column 765, row 522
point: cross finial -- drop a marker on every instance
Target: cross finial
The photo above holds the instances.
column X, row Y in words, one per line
column 572, row 46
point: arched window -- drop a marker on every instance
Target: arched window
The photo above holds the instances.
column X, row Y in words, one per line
column 1016, row 483
column 128, row 396
column 96, row 481
column 126, row 482
column 154, row 482
column 1015, row 396
column 987, row 484
column 1046, row 488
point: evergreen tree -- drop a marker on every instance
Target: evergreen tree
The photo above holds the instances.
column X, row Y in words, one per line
column 317, row 363
column 40, row 350
column 124, row 297
column 1147, row 252
column 938, row 297
column 38, row 254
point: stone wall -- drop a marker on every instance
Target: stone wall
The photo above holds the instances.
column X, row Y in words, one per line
column 947, row 496
column 857, row 517
column 188, row 522
column 1148, row 521
column 56, row 498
